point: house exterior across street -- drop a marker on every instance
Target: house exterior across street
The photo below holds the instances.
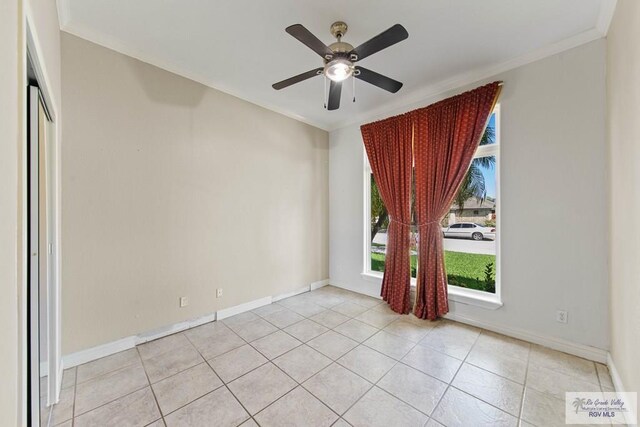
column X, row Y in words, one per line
column 474, row 211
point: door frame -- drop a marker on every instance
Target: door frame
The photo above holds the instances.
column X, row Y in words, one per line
column 33, row 66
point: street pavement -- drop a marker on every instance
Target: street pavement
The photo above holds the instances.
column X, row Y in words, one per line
column 487, row 247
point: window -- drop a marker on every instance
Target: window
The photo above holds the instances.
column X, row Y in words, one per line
column 470, row 229
column 471, row 257
column 377, row 233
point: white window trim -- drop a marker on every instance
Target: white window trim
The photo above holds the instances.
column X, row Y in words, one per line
column 457, row 294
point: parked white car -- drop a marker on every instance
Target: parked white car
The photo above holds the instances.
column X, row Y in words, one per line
column 469, row 230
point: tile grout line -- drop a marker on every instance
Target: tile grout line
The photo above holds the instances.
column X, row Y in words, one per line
column 160, row 354
column 224, row 384
column 298, row 384
column 163, row 353
column 544, row 393
column 155, row 398
column 276, row 366
column 502, row 377
column 111, row 401
column 493, row 373
column 75, row 391
column 293, row 379
column 290, row 391
column 126, row 394
column 107, row 372
column 336, row 361
column 454, row 377
column 524, row 386
column 333, row 361
column 399, row 361
column 280, row 369
column 374, row 384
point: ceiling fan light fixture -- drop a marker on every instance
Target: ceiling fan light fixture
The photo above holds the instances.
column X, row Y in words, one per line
column 339, row 69
column 339, row 59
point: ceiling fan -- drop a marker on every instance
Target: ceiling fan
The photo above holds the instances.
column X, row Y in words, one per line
column 340, row 57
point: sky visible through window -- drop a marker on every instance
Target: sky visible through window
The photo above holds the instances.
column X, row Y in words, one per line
column 489, row 173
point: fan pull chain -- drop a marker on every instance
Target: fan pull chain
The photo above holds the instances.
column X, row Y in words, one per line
column 325, row 91
column 354, row 88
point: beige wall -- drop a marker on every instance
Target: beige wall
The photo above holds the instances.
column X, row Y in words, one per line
column 553, row 254
column 623, row 127
column 9, row 142
column 174, row 189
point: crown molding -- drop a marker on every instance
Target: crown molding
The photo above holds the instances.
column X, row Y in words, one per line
column 419, row 97
column 68, row 26
column 433, row 92
column 607, row 9
column 64, row 12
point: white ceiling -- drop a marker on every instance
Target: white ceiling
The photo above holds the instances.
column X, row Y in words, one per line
column 240, row 46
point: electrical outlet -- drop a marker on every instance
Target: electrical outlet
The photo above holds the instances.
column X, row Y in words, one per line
column 562, row 316
column 184, row 301
column 219, row 293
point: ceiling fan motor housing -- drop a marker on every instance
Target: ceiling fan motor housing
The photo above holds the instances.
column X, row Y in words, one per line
column 338, row 29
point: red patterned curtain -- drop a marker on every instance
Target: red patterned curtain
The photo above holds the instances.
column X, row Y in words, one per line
column 446, row 135
column 389, row 148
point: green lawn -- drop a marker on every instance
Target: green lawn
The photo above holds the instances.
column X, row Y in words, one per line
column 377, row 263
column 465, row 270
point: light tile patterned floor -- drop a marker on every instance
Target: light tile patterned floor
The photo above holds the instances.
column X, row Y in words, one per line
column 328, row 357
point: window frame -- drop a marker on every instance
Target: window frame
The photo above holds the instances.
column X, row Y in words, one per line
column 458, row 294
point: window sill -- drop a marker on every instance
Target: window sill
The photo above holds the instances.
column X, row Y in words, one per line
column 459, row 295
column 473, row 297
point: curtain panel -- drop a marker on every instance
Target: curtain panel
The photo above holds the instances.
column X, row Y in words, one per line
column 441, row 138
column 446, row 134
column 388, row 144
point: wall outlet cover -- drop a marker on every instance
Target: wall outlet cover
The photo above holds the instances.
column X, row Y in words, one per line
column 562, row 316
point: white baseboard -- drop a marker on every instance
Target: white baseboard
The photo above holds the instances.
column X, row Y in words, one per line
column 247, row 306
column 319, row 284
column 615, row 376
column 618, row 385
column 90, row 354
column 94, row 353
column 292, row 293
column 176, row 327
column 580, row 350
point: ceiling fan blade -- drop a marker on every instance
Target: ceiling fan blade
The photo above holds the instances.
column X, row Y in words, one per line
column 301, row 33
column 387, row 38
column 335, row 90
column 297, row 79
column 379, row 80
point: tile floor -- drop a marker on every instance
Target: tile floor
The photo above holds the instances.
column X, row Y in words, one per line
column 328, row 357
